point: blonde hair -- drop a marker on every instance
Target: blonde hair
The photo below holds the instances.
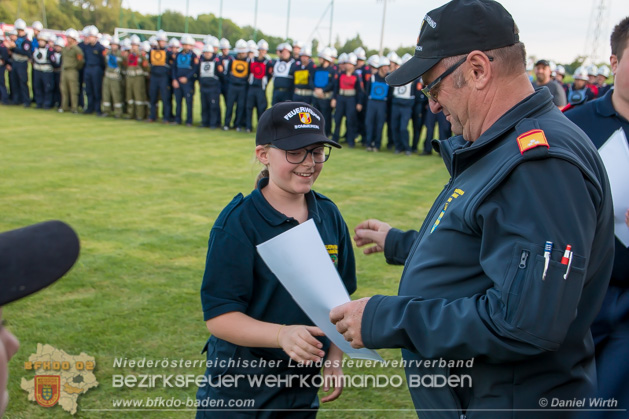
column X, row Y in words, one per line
column 264, row 173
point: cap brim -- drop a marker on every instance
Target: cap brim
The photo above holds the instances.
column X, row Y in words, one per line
column 411, row 70
column 303, row 140
column 33, row 257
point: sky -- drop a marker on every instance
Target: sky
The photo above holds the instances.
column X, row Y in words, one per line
column 551, row 29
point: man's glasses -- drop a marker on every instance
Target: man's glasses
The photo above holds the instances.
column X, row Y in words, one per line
column 319, row 154
column 431, row 92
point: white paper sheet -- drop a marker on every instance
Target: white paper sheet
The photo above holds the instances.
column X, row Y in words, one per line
column 615, row 155
column 302, row 264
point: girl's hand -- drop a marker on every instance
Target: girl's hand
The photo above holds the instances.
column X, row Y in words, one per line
column 300, row 344
column 332, row 379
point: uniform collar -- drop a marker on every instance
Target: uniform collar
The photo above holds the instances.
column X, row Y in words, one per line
column 604, row 106
column 273, row 216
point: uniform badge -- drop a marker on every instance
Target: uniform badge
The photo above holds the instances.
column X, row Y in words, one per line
column 47, row 389
column 305, row 117
column 531, row 139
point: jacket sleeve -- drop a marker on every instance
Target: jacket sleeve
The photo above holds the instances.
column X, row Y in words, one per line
column 397, row 245
column 520, row 315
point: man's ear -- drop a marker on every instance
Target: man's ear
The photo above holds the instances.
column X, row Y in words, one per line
column 481, row 69
column 262, row 154
column 613, row 61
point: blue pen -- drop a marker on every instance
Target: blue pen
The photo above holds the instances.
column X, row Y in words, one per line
column 548, row 248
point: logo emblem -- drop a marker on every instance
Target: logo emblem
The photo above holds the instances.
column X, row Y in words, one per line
column 47, row 389
column 531, row 139
column 305, row 117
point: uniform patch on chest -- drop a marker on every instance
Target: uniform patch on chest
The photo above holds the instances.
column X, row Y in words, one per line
column 531, row 139
column 333, row 251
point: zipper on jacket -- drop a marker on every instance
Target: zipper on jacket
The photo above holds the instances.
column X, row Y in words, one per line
column 516, row 288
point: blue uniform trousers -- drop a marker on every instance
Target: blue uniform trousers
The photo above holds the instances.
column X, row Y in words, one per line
column 444, row 128
column 210, row 106
column 93, row 88
column 390, row 142
column 256, row 98
column 419, row 115
column 237, row 95
column 4, row 94
column 20, row 74
column 610, row 331
column 300, row 98
column 400, row 115
column 281, row 95
column 361, row 126
column 345, row 107
column 374, row 122
column 56, row 89
column 185, row 90
column 160, row 86
column 43, row 85
column 326, row 109
column 81, row 88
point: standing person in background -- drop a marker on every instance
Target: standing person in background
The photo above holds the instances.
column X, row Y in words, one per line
column 402, row 102
column 21, row 53
column 210, row 73
column 600, row 119
column 601, row 80
column 364, row 71
column 42, row 76
column 237, row 75
column 5, row 64
column 226, row 58
column 282, row 79
column 543, row 78
column 323, row 79
column 161, row 79
column 59, row 44
column 420, row 111
column 112, row 83
column 395, row 63
column 348, row 94
column 94, row 70
column 260, row 71
column 377, row 91
column 72, row 61
column 134, row 62
column 184, row 72
column 302, row 73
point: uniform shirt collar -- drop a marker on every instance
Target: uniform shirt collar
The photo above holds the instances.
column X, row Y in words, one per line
column 604, row 106
column 273, row 216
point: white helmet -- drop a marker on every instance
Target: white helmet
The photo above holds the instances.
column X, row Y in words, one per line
column 241, row 46
column 208, row 48
column 135, row 40
column 174, row 43
column 92, row 31
column 343, row 58
column 187, row 40
column 115, row 41
column 153, row 41
column 214, row 42
column 553, row 67
column 146, row 46
column 561, row 70
column 298, row 44
column 307, row 51
column 373, row 61
column 394, row 58
column 406, row 57
column 581, row 73
column 384, row 61
column 285, row 45
column 73, row 33
column 224, row 44
column 360, row 53
column 42, row 35
column 252, row 46
column 20, row 25
column 333, row 52
column 60, row 42
column 351, row 58
column 105, row 43
column 125, row 45
column 326, row 54
column 592, row 70
column 604, row 71
column 161, row 36
column 37, row 25
column 262, row 44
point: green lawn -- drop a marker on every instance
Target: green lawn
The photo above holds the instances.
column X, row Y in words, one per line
column 143, row 198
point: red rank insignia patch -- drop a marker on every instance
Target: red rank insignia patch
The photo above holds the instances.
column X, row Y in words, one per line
column 531, row 139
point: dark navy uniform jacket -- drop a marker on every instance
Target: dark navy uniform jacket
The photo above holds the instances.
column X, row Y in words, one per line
column 377, row 88
column 237, row 279
column 324, row 77
column 282, row 79
column 472, row 282
column 95, row 55
column 160, row 60
column 23, row 47
column 185, row 65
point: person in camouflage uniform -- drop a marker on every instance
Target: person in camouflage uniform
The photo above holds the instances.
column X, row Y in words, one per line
column 112, row 82
column 72, row 60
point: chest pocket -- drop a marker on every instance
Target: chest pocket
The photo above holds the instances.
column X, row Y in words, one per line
column 301, row 76
column 240, row 69
column 112, row 61
column 158, row 57
column 379, row 90
column 281, row 69
column 184, row 61
column 403, row 92
column 208, row 69
column 132, row 60
column 347, row 82
column 258, row 70
column 321, row 78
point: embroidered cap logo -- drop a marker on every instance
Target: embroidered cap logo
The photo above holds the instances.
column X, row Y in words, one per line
column 305, row 118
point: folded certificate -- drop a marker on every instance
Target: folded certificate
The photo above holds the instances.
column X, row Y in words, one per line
column 300, row 261
column 615, row 155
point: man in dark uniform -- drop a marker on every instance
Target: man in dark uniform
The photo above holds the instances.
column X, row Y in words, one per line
column 43, row 78
column 160, row 81
column 4, row 65
column 347, row 98
column 184, row 72
column 210, row 73
column 323, row 80
column 94, row 70
column 302, row 72
column 377, row 90
column 282, row 80
column 484, row 278
column 237, row 74
column 600, row 119
column 21, row 53
column 260, row 71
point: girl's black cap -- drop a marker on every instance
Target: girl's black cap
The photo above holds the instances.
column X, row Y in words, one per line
column 456, row 28
column 292, row 125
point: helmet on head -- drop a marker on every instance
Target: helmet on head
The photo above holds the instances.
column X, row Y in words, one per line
column 326, row 54
column 161, row 36
column 351, row 58
column 125, row 45
column 174, row 43
column 287, row 46
column 604, row 71
column 241, row 46
column 306, row 51
column 553, row 67
column 262, row 44
column 146, row 46
column 208, row 48
column 360, row 53
column 394, row 58
column 384, row 61
column 581, row 73
column 20, row 25
column 92, row 31
column 343, row 58
column 60, row 42
column 252, row 46
column 72, row 33
column 187, row 40
column 592, row 70
column 135, row 40
column 43, row 36
column 105, row 43
column 333, row 52
column 373, row 61
column 224, row 44
column 153, row 41
column 115, row 41
column 298, row 44
column 37, row 25
column 561, row 70
column 214, row 42
column 406, row 57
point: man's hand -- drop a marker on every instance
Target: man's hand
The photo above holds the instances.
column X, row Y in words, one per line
column 371, row 231
column 627, row 218
column 348, row 319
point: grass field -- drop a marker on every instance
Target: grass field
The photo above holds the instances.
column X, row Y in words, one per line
column 143, row 198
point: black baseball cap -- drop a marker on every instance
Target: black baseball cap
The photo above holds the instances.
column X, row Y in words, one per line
column 456, row 28
column 545, row 63
column 292, row 125
column 33, row 257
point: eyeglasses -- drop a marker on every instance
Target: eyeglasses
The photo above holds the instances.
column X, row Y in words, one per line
column 431, row 92
column 319, row 154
